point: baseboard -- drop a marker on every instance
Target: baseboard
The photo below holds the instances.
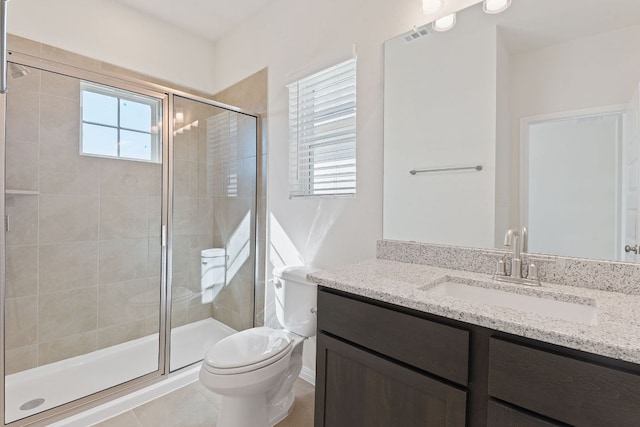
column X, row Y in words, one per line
column 309, row 375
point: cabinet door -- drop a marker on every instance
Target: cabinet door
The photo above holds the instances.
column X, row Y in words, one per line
column 357, row 388
column 502, row 416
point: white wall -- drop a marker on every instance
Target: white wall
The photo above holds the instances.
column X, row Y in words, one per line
column 440, row 111
column 110, row 32
column 294, row 38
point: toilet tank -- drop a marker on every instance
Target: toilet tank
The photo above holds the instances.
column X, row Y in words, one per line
column 295, row 300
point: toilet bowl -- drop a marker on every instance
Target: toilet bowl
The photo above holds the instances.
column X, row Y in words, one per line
column 254, row 370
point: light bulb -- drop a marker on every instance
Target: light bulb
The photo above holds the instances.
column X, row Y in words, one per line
column 431, row 6
column 495, row 6
column 445, row 23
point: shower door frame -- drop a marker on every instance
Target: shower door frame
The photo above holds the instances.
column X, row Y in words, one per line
column 166, row 94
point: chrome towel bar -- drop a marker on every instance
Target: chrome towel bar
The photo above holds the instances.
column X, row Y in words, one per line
column 462, row 168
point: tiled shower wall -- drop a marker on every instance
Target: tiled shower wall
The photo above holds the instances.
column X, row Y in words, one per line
column 214, row 207
column 251, row 94
column 83, row 249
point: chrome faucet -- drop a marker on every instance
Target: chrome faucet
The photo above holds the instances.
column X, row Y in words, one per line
column 519, row 242
column 512, row 238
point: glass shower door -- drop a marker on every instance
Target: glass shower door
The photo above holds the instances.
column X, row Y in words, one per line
column 83, row 201
column 213, row 227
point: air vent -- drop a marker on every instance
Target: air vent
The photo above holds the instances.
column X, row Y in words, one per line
column 416, row 33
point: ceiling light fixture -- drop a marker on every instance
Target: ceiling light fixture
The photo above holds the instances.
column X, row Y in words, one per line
column 445, row 23
column 495, row 6
column 431, row 6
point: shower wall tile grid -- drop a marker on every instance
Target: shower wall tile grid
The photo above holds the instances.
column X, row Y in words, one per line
column 83, row 248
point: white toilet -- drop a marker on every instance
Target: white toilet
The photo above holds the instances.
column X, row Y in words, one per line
column 254, row 370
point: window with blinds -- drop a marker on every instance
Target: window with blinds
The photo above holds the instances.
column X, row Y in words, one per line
column 322, row 133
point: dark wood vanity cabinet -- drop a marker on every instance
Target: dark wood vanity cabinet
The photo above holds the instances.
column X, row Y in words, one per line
column 386, row 366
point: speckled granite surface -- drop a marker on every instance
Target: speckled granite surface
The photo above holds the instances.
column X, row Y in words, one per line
column 586, row 273
column 616, row 334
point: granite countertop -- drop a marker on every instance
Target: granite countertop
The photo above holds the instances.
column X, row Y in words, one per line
column 615, row 334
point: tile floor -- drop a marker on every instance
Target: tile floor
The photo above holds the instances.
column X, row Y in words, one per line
column 195, row 406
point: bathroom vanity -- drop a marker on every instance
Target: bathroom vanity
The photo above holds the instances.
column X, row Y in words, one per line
column 390, row 353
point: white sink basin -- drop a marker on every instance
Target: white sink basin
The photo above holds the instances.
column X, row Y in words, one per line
column 569, row 311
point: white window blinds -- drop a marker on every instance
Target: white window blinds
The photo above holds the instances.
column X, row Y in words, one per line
column 322, row 133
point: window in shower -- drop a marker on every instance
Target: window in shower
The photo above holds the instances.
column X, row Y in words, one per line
column 84, row 257
column 118, row 123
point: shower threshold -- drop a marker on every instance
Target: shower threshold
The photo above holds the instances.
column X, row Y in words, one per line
column 48, row 386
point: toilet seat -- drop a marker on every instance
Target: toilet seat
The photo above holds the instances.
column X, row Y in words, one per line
column 247, row 351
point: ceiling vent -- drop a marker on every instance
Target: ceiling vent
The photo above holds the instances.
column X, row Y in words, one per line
column 417, row 33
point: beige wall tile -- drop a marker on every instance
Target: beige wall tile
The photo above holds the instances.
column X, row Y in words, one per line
column 124, row 302
column 60, row 85
column 196, row 310
column 20, row 44
column 22, row 271
column 229, row 214
column 205, row 216
column 123, row 218
column 74, row 345
column 250, row 93
column 122, row 260
column 231, row 318
column 180, row 253
column 68, row 218
column 23, row 220
column 64, row 171
column 128, row 178
column 70, row 58
column 155, row 179
column 22, row 166
column 59, row 120
column 185, row 215
column 20, row 359
column 155, row 256
column 114, row 335
column 153, row 291
column 20, row 82
column 23, row 117
column 181, row 178
column 154, row 209
column 247, row 178
column 68, row 266
column 178, row 317
column 20, row 322
column 247, row 136
column 66, row 313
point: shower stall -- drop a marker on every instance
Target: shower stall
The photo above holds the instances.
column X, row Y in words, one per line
column 129, row 238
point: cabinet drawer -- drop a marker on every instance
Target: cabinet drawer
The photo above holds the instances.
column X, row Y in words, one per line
column 502, row 416
column 563, row 388
column 430, row 346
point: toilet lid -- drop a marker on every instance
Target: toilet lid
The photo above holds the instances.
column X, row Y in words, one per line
column 247, row 348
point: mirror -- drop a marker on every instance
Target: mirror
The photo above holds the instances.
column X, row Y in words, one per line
column 532, row 114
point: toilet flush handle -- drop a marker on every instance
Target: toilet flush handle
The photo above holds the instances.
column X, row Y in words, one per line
column 314, row 310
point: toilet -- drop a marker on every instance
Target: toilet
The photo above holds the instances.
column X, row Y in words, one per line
column 254, row 370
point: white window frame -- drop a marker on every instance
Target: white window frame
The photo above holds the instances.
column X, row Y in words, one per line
column 122, row 94
column 322, row 136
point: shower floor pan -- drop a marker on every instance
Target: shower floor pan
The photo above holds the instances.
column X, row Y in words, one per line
column 48, row 386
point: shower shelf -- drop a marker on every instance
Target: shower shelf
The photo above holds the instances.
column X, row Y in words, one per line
column 15, row 192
